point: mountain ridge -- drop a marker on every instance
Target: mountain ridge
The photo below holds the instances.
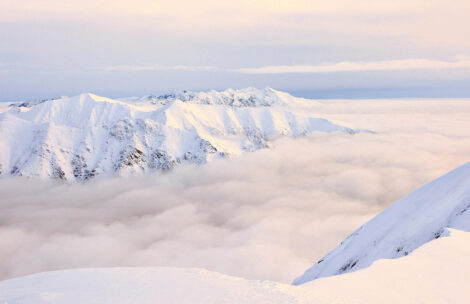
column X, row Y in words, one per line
column 79, row 137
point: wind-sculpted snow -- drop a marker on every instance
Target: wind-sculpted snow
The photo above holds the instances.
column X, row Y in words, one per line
column 83, row 136
column 416, row 219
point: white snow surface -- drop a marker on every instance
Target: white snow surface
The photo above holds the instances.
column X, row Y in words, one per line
column 409, row 223
column 77, row 138
column 435, row 273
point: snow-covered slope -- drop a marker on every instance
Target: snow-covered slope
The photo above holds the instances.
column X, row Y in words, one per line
column 83, row 136
column 418, row 218
column 435, row 273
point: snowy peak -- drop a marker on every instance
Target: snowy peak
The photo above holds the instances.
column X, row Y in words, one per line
column 249, row 97
column 414, row 220
column 79, row 137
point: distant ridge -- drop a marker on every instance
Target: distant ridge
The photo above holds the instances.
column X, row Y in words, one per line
column 79, row 137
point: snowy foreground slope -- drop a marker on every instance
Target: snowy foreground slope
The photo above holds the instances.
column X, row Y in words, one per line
column 418, row 218
column 435, row 273
column 76, row 138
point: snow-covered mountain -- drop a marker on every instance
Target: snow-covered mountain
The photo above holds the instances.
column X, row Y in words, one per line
column 435, row 273
column 414, row 220
column 77, row 138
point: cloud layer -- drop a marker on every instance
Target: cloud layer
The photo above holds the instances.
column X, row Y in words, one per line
column 462, row 63
column 266, row 215
column 348, row 66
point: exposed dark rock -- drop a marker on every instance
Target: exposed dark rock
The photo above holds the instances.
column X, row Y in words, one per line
column 189, row 156
column 14, row 170
column 89, row 174
column 467, row 206
column 57, row 172
column 79, row 166
column 348, row 266
column 207, row 147
column 134, row 158
column 80, row 169
column 162, row 161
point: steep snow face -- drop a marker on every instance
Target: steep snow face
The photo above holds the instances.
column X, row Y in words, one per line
column 411, row 279
column 80, row 137
column 416, row 219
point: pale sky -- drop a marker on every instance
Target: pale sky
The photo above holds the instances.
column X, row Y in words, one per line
column 314, row 48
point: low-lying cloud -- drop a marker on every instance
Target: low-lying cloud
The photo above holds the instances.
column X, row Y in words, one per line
column 351, row 66
column 461, row 62
column 267, row 215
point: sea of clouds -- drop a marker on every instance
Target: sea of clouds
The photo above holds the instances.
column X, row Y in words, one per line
column 266, row 215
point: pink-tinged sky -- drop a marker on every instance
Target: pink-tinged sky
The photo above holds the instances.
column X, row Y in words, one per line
column 121, row 47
